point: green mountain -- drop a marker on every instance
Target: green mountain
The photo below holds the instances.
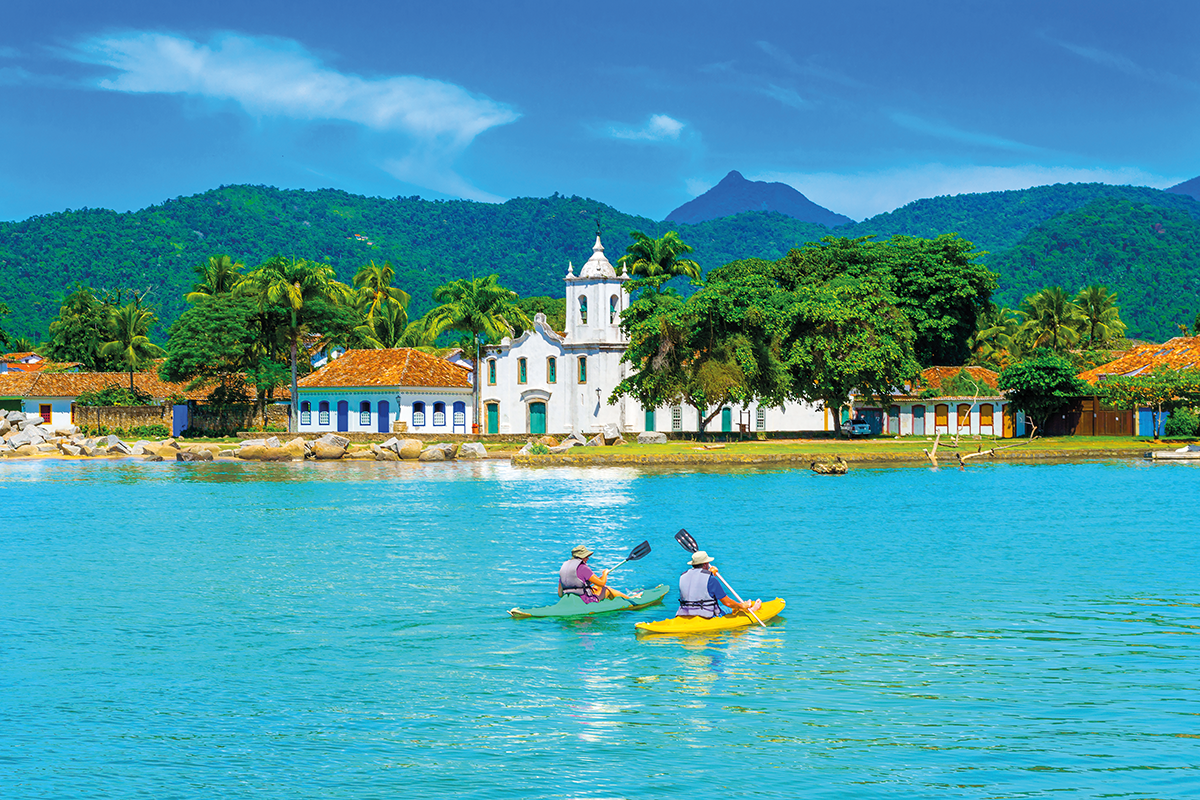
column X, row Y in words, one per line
column 1149, row 254
column 528, row 242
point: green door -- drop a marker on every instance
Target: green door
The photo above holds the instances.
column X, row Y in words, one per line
column 493, row 418
column 726, row 419
column 537, row 417
column 650, row 419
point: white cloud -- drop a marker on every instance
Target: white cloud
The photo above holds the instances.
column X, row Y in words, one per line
column 271, row 77
column 660, row 128
column 865, row 194
column 1125, row 65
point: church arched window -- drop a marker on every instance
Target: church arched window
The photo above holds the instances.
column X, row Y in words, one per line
column 583, row 311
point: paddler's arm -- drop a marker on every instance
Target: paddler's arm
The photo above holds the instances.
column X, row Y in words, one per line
column 600, row 582
column 733, row 604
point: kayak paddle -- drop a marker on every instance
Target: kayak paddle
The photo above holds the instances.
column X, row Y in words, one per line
column 641, row 551
column 688, row 543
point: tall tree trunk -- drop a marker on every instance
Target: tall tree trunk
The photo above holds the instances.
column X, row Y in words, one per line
column 292, row 424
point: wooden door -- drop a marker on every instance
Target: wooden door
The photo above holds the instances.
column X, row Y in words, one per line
column 537, row 418
column 493, row 417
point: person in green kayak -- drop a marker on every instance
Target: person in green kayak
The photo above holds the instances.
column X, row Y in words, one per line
column 576, row 577
column 700, row 591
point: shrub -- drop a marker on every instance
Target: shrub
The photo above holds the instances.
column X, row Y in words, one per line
column 539, row 450
column 114, row 396
column 1182, row 422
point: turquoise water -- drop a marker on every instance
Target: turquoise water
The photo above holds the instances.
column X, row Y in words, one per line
column 339, row 631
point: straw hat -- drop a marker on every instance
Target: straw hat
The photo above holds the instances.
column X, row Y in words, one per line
column 580, row 551
column 700, row 558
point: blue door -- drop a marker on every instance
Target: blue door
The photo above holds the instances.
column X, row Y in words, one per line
column 343, row 416
column 385, row 416
column 179, row 419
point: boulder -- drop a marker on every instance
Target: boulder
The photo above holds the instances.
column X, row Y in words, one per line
column 66, row 430
column 22, row 438
column 829, row 466
column 46, row 447
column 524, row 451
column 549, row 441
column 359, row 455
column 575, row 436
column 334, row 439
column 110, row 440
column 652, row 437
column 193, row 455
column 411, row 448
column 297, row 448
column 252, row 453
column 472, row 450
column 153, row 457
column 252, row 443
column 327, row 450
column 227, row 454
column 71, row 450
column 448, row 449
column 386, row 454
column 137, row 450
column 611, row 432
column 432, row 454
column 277, row 454
column 5, row 426
column 392, row 444
column 564, row 447
column 620, row 440
column 596, row 441
column 27, row 450
column 273, row 442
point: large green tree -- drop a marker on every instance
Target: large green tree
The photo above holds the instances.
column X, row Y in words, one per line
column 215, row 341
column 939, row 284
column 649, row 258
column 80, row 331
column 129, row 343
column 480, row 307
column 1043, row 384
column 304, row 291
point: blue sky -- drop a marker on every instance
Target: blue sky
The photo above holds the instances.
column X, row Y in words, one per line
column 863, row 106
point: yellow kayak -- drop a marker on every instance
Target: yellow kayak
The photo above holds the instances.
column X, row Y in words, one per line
column 768, row 610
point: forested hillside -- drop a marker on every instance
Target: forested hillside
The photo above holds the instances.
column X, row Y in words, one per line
column 528, row 242
column 1150, row 255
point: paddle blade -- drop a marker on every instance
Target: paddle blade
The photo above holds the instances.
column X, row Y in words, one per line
column 641, row 551
column 686, row 541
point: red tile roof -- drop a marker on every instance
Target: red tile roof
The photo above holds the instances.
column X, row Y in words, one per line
column 396, row 367
column 934, row 377
column 16, row 384
column 1177, row 353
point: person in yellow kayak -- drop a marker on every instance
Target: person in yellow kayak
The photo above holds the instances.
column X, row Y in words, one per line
column 576, row 577
column 700, row 591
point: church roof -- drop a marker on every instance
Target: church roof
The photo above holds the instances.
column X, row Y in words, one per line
column 597, row 266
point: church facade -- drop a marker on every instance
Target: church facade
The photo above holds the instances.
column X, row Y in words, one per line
column 556, row 382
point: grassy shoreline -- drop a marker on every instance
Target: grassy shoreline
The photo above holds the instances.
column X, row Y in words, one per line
column 866, row 451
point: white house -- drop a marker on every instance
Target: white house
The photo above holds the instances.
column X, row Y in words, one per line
column 373, row 390
column 548, row 381
column 987, row 413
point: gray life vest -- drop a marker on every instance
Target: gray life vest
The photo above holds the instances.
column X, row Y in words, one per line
column 568, row 579
column 694, row 599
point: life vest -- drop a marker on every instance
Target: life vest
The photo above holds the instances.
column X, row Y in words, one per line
column 568, row 579
column 694, row 599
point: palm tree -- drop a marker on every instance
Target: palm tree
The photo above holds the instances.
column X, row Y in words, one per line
column 219, row 275
column 1049, row 319
column 128, row 325
column 288, row 284
column 995, row 337
column 654, row 257
column 375, row 290
column 1101, row 316
column 23, row 344
column 478, row 306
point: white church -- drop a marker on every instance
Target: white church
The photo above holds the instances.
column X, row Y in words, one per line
column 558, row 382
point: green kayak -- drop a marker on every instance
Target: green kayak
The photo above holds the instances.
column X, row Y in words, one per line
column 571, row 606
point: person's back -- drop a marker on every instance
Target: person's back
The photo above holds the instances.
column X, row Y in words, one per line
column 699, row 592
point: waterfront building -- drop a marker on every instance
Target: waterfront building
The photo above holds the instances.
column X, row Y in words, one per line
column 548, row 381
column 384, row 391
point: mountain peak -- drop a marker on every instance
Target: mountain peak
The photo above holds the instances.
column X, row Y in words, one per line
column 734, row 195
column 1190, row 188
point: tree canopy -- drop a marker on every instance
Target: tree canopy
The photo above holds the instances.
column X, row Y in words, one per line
column 1042, row 385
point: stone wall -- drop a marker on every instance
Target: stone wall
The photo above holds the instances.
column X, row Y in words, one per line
column 121, row 417
column 235, row 417
column 367, row 436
